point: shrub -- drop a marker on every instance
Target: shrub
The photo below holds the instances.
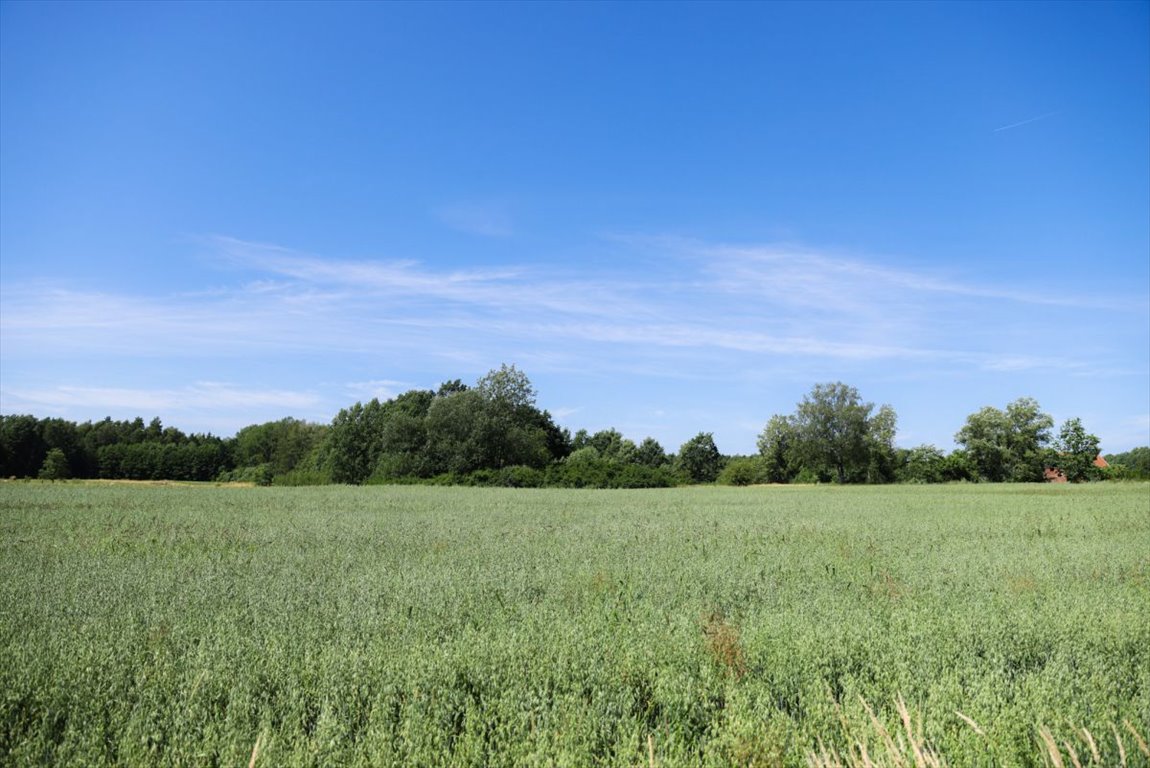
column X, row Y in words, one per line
column 298, row 477
column 55, row 466
column 744, row 470
column 260, row 474
column 520, row 477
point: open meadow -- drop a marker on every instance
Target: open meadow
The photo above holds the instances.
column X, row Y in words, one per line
column 395, row 626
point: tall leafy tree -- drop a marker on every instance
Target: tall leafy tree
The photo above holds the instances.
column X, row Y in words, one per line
column 1007, row 445
column 834, row 435
column 650, row 453
column 55, row 466
column 493, row 425
column 456, row 428
column 355, row 442
column 22, row 447
column 1075, row 452
column 883, row 456
column 831, row 424
column 508, row 386
column 777, row 443
column 700, row 459
column 922, row 464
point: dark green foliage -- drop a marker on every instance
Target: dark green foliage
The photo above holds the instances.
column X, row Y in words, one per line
column 457, row 430
column 1132, row 465
column 1007, row 445
column 609, row 444
column 1075, row 451
column 299, row 477
column 490, row 434
column 55, row 466
column 259, row 474
column 355, row 442
column 197, row 459
column 283, row 445
column 831, row 426
column 744, row 470
column 832, row 435
column 959, row 467
column 467, row 431
column 109, row 449
column 777, row 444
column 650, row 453
column 699, row 459
column 586, row 470
column 921, row 464
column 22, row 447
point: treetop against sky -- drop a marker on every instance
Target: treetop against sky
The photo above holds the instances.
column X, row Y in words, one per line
column 675, row 218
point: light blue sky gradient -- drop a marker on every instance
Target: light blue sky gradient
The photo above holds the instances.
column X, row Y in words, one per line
column 673, row 217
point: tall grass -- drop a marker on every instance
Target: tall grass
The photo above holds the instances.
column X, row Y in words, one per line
column 972, row 625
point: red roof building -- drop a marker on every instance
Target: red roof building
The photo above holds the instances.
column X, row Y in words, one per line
column 1053, row 475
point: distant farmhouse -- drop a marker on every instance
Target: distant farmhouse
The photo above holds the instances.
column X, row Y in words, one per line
column 1053, row 475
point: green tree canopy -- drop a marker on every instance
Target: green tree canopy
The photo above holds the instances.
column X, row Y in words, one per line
column 1134, row 463
column 1007, row 445
column 1075, row 452
column 282, row 445
column 55, row 466
column 650, row 453
column 777, row 443
column 700, row 459
column 832, row 435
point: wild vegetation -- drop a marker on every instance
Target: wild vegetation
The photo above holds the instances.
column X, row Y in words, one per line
column 833, row 625
column 494, row 434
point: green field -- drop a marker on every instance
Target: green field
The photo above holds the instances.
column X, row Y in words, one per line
column 170, row 625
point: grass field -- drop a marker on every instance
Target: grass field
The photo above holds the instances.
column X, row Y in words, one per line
column 396, row 626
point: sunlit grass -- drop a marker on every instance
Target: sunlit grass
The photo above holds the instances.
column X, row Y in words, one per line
column 696, row 626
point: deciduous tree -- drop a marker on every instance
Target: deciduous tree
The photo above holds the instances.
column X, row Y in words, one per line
column 1075, row 452
column 1007, row 445
column 700, row 459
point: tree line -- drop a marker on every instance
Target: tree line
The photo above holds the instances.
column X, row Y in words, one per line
column 494, row 433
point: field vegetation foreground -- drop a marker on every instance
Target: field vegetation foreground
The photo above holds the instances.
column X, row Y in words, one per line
column 394, row 626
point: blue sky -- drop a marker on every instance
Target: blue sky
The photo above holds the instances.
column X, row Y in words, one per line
column 673, row 217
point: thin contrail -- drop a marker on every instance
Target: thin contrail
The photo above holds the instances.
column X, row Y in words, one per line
column 1024, row 122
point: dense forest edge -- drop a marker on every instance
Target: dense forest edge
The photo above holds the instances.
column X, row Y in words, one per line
column 494, row 434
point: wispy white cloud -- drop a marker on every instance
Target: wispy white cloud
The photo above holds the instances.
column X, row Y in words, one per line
column 839, row 283
column 778, row 301
column 693, row 311
column 194, row 396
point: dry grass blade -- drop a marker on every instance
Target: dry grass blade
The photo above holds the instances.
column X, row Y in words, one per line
column 650, row 750
column 864, row 756
column 256, row 751
column 1070, row 750
column 892, row 750
column 1093, row 747
column 1137, row 737
column 920, row 759
column 1051, row 747
column 823, row 758
column 970, row 721
column 1121, row 746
